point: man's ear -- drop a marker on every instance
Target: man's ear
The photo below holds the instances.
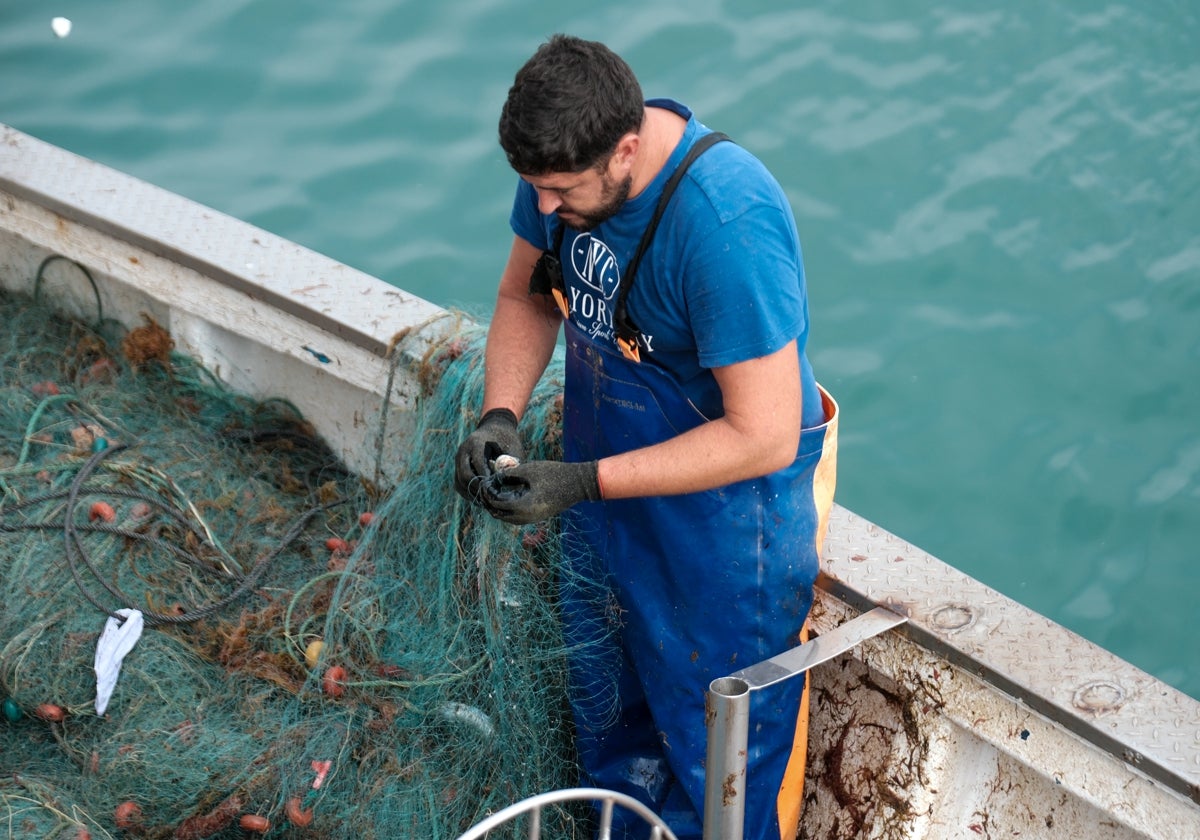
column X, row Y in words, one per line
column 626, row 151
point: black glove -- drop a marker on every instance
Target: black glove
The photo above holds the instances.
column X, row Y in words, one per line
column 495, row 435
column 537, row 490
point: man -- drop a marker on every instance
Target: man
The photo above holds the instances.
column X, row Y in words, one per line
column 688, row 488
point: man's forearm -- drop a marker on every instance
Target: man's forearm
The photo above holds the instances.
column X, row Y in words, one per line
column 711, row 455
column 759, row 434
column 520, row 342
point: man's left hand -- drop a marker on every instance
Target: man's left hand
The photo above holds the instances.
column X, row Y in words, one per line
column 538, row 490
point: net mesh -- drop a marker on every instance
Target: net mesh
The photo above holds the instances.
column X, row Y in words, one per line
column 333, row 658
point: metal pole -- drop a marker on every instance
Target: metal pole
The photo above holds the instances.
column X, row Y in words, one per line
column 727, row 718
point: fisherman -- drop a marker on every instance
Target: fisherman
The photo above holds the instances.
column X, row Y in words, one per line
column 699, row 450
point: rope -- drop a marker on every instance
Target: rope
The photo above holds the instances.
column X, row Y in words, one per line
column 77, row 554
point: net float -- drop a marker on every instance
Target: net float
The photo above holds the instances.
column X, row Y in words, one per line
column 331, row 683
column 255, row 823
column 312, row 652
column 298, row 816
column 128, row 814
column 102, row 510
column 51, row 712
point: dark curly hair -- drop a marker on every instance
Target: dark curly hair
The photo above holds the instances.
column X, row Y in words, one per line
column 568, row 106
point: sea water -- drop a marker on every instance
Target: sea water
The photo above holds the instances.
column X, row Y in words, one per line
column 999, row 209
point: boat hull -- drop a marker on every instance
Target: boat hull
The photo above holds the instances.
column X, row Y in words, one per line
column 978, row 717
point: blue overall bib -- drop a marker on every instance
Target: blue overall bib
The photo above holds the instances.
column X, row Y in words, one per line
column 661, row 595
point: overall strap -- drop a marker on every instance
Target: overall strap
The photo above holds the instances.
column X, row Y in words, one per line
column 627, row 331
column 542, row 281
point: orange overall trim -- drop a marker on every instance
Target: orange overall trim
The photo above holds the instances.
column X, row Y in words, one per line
column 791, row 791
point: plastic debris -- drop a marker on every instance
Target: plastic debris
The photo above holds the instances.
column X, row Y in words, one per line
column 116, row 640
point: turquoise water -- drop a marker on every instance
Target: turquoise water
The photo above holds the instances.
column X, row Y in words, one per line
column 999, row 209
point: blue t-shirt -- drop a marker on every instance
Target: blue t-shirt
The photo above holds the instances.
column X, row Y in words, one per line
column 721, row 282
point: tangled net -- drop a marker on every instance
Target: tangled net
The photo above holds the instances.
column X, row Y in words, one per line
column 321, row 657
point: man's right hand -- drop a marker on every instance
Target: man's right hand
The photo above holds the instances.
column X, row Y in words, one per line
column 495, row 435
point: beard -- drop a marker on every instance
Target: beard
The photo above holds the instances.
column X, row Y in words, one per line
column 612, row 195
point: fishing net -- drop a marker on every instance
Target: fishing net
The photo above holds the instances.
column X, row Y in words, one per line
column 321, row 654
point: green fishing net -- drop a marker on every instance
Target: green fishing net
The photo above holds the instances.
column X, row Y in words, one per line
column 321, row 653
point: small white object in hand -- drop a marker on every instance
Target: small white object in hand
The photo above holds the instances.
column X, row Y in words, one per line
column 61, row 26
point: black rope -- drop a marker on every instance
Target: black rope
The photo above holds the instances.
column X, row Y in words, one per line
column 37, row 283
column 78, row 558
column 115, row 530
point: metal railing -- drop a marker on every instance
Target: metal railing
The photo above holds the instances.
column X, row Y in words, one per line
column 609, row 802
column 608, row 799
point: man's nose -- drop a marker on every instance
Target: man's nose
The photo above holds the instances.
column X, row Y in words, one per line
column 548, row 202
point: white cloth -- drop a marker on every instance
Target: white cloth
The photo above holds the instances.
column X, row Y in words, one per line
column 116, row 640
